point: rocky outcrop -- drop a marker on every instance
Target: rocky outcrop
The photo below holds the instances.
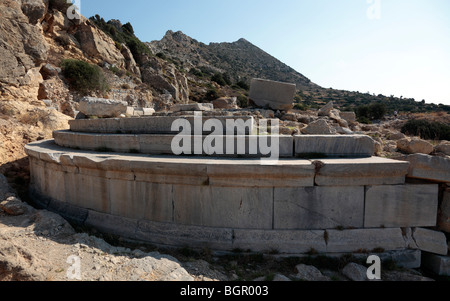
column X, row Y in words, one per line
column 415, row 146
column 166, row 79
column 99, row 46
column 22, row 51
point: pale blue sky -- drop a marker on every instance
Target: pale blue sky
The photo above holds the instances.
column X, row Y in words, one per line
column 400, row 47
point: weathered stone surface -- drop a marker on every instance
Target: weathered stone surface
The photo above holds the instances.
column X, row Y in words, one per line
column 34, row 10
column 407, row 205
column 5, row 190
column 319, row 207
column 271, row 94
column 326, row 110
column 289, row 242
column 415, row 146
column 91, row 106
column 355, row 272
column 97, row 44
column 13, row 206
column 364, row 239
column 439, row 265
column 430, row 241
column 350, row 117
column 225, row 103
column 248, row 208
column 193, row 107
column 334, row 146
column 444, row 147
column 361, row 171
column 319, row 127
column 164, row 125
column 309, row 273
column 444, row 212
column 428, row 167
column 408, row 259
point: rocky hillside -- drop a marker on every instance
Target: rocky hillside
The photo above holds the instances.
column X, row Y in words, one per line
column 241, row 60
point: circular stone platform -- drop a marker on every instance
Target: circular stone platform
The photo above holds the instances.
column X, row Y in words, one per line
column 293, row 206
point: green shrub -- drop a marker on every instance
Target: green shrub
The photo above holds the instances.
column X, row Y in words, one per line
column 430, row 130
column 242, row 101
column 373, row 111
column 243, row 85
column 218, row 78
column 84, row 77
column 212, row 95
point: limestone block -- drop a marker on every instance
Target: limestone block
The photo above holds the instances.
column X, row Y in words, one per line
column 334, row 146
column 104, row 126
column 254, row 173
column 408, row 259
column 139, row 200
column 428, row 167
column 430, row 241
column 439, row 265
column 364, row 239
column 350, row 117
column 91, row 106
column 111, row 224
column 319, row 127
column 361, row 171
column 444, row 212
column 249, row 208
column 272, row 94
column 401, row 206
column 193, row 107
column 319, row 207
column 170, row 234
column 290, row 242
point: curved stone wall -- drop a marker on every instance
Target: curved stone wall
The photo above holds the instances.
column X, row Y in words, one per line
column 294, row 206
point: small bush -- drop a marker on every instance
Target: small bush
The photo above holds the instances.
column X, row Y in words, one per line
column 430, row 130
column 84, row 77
column 242, row 101
column 372, row 111
column 211, row 95
column 218, row 78
column 243, row 85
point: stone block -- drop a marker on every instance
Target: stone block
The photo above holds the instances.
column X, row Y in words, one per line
column 111, row 224
column 334, row 146
column 225, row 207
column 444, row 212
column 350, row 117
column 193, row 107
column 439, row 265
column 407, row 205
column 364, row 239
column 288, row 242
column 170, row 234
column 360, row 172
column 91, row 106
column 427, row 167
column 257, row 173
column 319, row 207
column 272, row 94
column 430, row 241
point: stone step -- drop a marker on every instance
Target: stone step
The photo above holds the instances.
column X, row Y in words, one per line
column 240, row 125
column 334, row 145
column 155, row 144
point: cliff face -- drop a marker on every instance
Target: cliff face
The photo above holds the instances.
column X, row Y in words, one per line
column 241, row 59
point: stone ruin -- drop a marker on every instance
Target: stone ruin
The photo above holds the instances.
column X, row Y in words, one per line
column 325, row 194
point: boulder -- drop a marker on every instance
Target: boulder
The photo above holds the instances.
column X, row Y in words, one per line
column 355, row 272
column 350, row 117
column 105, row 108
column 319, row 127
column 35, row 10
column 309, row 273
column 395, row 136
column 415, row 146
column 443, row 147
column 326, row 110
column 272, row 94
column 225, row 103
